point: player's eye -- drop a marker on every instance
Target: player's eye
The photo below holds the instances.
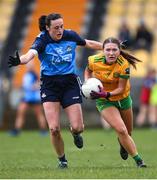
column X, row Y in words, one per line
column 58, row 27
column 115, row 49
column 108, row 49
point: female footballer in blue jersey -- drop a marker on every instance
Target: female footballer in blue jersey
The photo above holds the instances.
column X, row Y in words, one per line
column 30, row 99
column 56, row 47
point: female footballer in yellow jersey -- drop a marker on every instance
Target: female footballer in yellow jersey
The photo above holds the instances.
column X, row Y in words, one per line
column 114, row 103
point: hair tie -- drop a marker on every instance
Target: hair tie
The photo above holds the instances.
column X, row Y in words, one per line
column 123, row 44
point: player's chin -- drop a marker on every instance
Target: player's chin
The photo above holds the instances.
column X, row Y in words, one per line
column 59, row 37
column 111, row 60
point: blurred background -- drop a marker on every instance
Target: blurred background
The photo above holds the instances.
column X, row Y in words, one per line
column 132, row 21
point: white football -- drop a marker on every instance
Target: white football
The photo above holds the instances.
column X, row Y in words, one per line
column 91, row 85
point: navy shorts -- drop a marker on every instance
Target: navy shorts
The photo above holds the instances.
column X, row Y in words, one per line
column 30, row 102
column 61, row 88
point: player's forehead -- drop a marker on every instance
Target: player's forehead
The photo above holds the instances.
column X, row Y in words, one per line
column 56, row 22
column 111, row 45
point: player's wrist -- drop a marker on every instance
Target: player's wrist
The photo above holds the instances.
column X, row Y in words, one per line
column 108, row 94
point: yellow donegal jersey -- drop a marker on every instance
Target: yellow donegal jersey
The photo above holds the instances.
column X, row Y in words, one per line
column 109, row 75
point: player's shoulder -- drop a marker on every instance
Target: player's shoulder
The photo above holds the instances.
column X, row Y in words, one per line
column 42, row 38
column 122, row 61
column 97, row 57
column 69, row 33
column 42, row 34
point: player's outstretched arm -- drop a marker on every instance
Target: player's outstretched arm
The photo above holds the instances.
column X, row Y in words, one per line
column 94, row 45
column 24, row 59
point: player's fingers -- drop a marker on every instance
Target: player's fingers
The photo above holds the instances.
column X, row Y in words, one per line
column 17, row 54
column 11, row 58
column 93, row 92
column 100, row 89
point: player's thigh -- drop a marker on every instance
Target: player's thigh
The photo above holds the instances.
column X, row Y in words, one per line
column 113, row 117
column 144, row 109
column 22, row 108
column 127, row 116
column 71, row 93
column 52, row 114
column 152, row 113
column 74, row 113
column 37, row 109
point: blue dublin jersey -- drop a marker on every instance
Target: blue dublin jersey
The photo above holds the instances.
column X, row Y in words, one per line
column 57, row 57
column 30, row 93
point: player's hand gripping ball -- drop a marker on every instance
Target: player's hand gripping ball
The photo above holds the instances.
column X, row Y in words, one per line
column 92, row 84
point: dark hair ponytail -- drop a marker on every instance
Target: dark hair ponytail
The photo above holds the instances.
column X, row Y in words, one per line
column 130, row 58
column 42, row 23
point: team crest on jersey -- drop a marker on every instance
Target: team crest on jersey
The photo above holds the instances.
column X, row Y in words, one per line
column 69, row 48
column 107, row 73
column 116, row 74
column 43, row 95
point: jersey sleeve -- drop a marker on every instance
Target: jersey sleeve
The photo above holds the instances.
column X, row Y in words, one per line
column 90, row 63
column 38, row 45
column 75, row 37
column 125, row 73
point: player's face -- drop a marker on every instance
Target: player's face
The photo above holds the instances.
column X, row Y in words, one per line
column 56, row 29
column 111, row 51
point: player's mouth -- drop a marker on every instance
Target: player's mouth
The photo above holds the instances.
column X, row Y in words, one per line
column 112, row 58
column 59, row 35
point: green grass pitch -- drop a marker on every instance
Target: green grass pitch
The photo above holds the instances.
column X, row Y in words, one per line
column 32, row 156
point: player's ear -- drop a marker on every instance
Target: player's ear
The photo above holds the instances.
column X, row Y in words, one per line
column 47, row 28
